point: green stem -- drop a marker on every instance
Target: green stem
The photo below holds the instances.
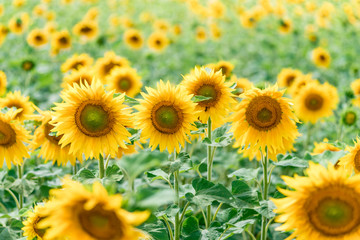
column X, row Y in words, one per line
column 21, row 196
column 168, row 227
column 183, row 213
column 107, row 161
column 250, row 234
column 101, row 166
column 265, row 163
column 177, row 202
column 209, row 167
column 14, row 197
column 224, row 232
column 217, row 210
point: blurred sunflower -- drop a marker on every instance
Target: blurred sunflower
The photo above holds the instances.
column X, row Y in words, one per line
column 76, row 62
column 177, row 30
column 315, row 101
column 349, row 117
column 133, row 38
column 126, row 151
column 158, row 41
column 2, row 9
column 50, row 149
column 285, row 26
column 321, row 57
column 201, row 34
column 28, row 65
column 248, row 19
column 124, row 80
column 264, row 118
column 225, row 67
column 78, row 213
column 20, row 102
column 92, row 14
column 161, row 25
column 299, row 83
column 355, row 86
column 37, row 38
column 85, row 74
column 103, row 66
column 208, row 83
column 216, row 9
column 242, row 84
column 86, row 29
column 215, row 31
column 287, row 77
column 3, row 83
column 90, row 115
column 18, row 25
column 13, row 137
column 18, row 3
column 324, row 146
column 31, row 228
column 165, row 116
column 351, row 161
column 61, row 40
column 324, row 205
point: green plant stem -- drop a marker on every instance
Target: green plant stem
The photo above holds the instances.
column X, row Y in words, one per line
column 250, row 234
column 183, row 213
column 101, row 166
column 168, row 227
column 14, row 197
column 107, row 161
column 21, row 196
column 177, row 202
column 209, row 167
column 224, row 232
column 217, row 210
column 265, row 163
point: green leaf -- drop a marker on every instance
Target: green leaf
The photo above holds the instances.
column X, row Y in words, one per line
column 294, row 162
column 7, row 234
column 200, row 98
column 221, row 137
column 266, row 209
column 158, row 174
column 23, row 186
column 191, row 224
column 114, row 173
column 85, row 176
column 245, row 174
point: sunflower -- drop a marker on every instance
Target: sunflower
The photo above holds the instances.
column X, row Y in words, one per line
column 126, row 151
column 17, row 25
column 201, row 34
column 86, row 29
column 321, row 57
column 85, row 74
column 285, row 26
column 225, row 67
column 216, row 9
column 92, row 116
column 78, row 213
column 133, row 38
column 349, row 117
column 18, row 101
column 315, row 101
column 242, row 84
column 124, row 80
column 325, row 205
column 177, row 30
column 324, row 146
column 248, row 19
column 264, row 118
column 104, row 65
column 18, row 3
column 12, row 139
column 50, row 149
column 28, row 65
column 166, row 115
column 300, row 82
column 158, row 41
column 351, row 161
column 287, row 77
column 3, row 83
column 208, row 83
column 37, row 38
column 61, row 40
column 31, row 228
column 355, row 86
column 92, row 14
column 215, row 31
column 76, row 62
column 161, row 25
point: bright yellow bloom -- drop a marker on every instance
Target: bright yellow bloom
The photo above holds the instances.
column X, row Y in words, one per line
column 105, row 64
column 242, row 84
column 124, row 80
column 19, row 102
column 355, row 86
column 300, row 82
column 86, row 29
column 201, row 34
column 324, row 146
column 76, row 62
column 325, row 205
column 351, row 161
column 216, row 9
column 158, row 41
column 18, row 25
column 3, row 83
column 83, row 75
column 165, row 116
column 61, row 40
column 321, row 57
column 133, row 38
column 37, row 38
column 31, row 228
column 287, row 77
column 285, row 26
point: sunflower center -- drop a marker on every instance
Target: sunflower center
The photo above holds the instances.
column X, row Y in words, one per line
column 124, row 84
column 51, row 138
column 314, row 102
column 158, row 42
column 350, row 118
column 101, row 224
column 108, row 67
column 224, row 70
column 357, row 161
column 93, row 120
column 85, row 29
column 207, row 90
column 263, row 113
column 166, row 118
column 64, row 40
column 134, row 39
column 77, row 65
column 289, row 80
column 322, row 58
column 38, row 38
column 7, row 135
column 334, row 211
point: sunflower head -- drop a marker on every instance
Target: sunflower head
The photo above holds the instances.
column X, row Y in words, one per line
column 28, row 65
column 37, row 38
column 349, row 117
column 19, row 102
column 201, row 35
column 299, row 83
column 133, row 38
column 287, row 77
column 31, row 228
column 324, row 205
column 158, row 41
column 166, row 115
column 351, row 161
column 3, row 83
column 225, row 67
column 83, row 75
column 105, row 65
column 321, row 57
column 124, row 80
column 76, row 62
column 242, row 84
column 86, row 29
column 285, row 26
column 355, row 86
column 208, row 83
column 61, row 40
column 324, row 146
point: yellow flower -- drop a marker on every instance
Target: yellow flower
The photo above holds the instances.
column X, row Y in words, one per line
column 126, row 151
column 158, row 41
column 215, row 31
column 285, row 26
column 166, row 115
column 242, row 84
column 19, row 102
column 321, row 57
column 208, row 83
column 216, row 9
column 161, row 25
column 83, row 75
column 61, row 40
column 299, row 83
column 3, row 83
column 2, row 9
column 287, row 77
column 248, row 20
column 201, row 34
column 90, row 115
column 86, row 29
column 225, row 67
column 264, row 118
column 103, row 66
column 39, row 10
column 315, row 101
column 177, row 29
column 92, row 14
column 133, row 38
column 124, row 80
column 78, row 213
column 17, row 25
column 50, row 149
column 351, row 161
column 324, row 146
column 325, row 205
column 18, row 3
column 355, row 86
column 31, row 228
column 76, row 62
column 37, row 38
column 13, row 137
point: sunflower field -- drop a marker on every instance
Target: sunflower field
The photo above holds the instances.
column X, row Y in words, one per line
column 179, row 119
